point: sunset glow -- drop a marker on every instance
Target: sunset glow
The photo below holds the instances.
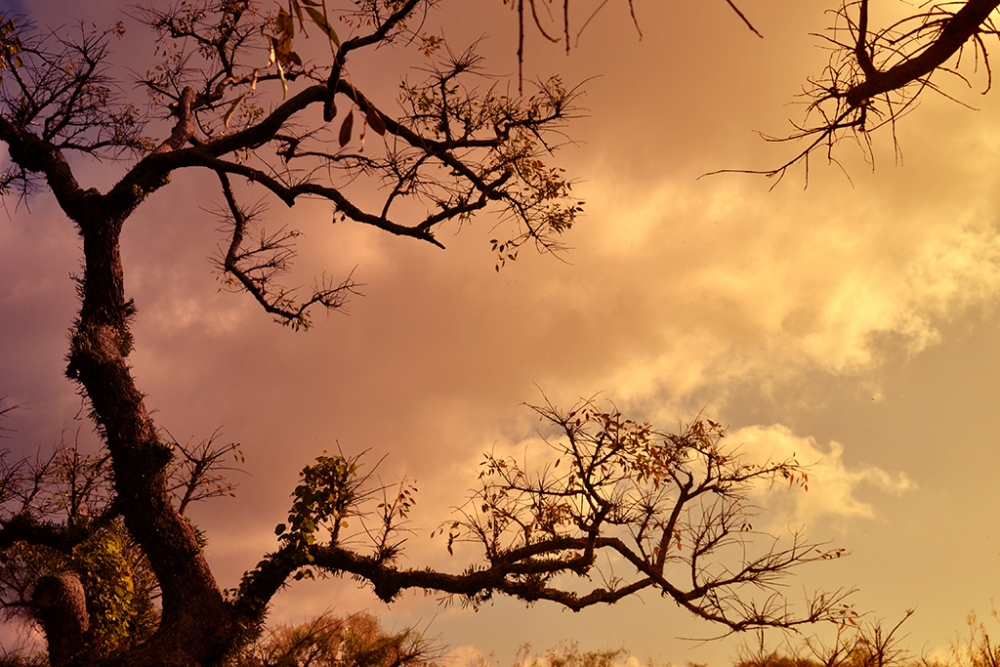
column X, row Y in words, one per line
column 846, row 316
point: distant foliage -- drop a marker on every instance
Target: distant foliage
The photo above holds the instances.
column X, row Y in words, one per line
column 357, row 640
column 569, row 654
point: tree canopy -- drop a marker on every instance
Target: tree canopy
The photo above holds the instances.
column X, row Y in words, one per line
column 100, row 549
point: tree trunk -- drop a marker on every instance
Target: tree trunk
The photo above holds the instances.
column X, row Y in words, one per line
column 61, row 607
column 197, row 625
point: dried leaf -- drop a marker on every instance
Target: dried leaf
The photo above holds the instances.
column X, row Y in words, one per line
column 232, row 109
column 345, row 128
column 294, row 7
column 284, row 83
column 274, row 58
column 375, row 121
column 319, row 18
column 285, row 25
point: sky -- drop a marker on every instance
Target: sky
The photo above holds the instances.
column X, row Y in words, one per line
column 850, row 319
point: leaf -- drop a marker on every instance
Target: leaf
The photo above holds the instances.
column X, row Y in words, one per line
column 293, row 6
column 232, row 109
column 281, row 70
column 345, row 128
column 280, row 528
column 285, row 25
column 319, row 18
column 375, row 121
column 284, row 83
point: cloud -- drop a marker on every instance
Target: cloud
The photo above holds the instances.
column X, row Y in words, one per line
column 729, row 284
column 834, row 489
column 466, row 655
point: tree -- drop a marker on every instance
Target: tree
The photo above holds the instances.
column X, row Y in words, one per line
column 876, row 75
column 87, row 582
column 232, row 96
column 868, row 643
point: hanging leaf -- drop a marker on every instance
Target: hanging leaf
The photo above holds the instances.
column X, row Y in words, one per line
column 319, row 18
column 232, row 109
column 285, row 25
column 284, row 82
column 375, row 121
column 276, row 60
column 346, row 127
column 296, row 8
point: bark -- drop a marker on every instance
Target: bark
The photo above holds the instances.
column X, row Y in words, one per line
column 61, row 607
column 197, row 623
column 963, row 25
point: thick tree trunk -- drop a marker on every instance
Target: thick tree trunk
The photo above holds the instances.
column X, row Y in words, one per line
column 61, row 607
column 197, row 624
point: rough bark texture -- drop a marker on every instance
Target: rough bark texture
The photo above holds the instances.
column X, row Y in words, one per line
column 195, row 615
column 61, row 607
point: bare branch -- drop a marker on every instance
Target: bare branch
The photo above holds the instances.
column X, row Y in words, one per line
column 875, row 76
column 673, row 507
